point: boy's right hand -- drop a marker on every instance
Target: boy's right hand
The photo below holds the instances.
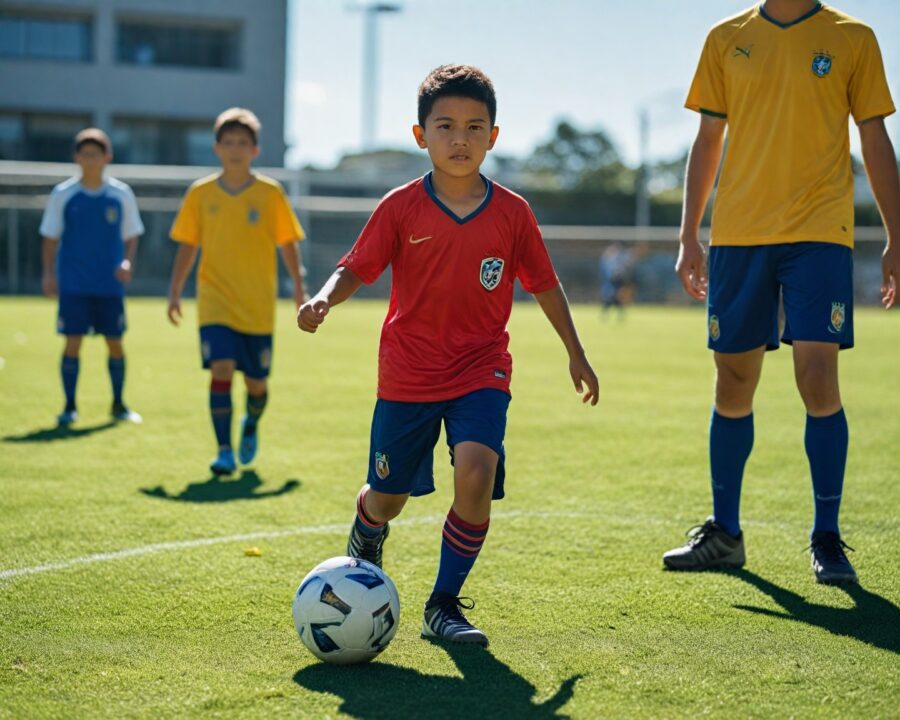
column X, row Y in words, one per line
column 691, row 268
column 312, row 314
column 49, row 286
column 174, row 310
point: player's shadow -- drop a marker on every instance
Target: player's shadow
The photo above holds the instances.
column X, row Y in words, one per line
column 874, row 619
column 218, row 490
column 487, row 689
column 59, row 432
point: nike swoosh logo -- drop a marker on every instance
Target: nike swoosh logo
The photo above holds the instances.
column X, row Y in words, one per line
column 416, row 241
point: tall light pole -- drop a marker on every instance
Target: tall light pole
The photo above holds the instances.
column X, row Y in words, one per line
column 371, row 9
column 642, row 192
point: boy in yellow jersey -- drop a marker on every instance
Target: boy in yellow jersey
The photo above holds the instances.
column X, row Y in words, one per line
column 238, row 218
column 784, row 77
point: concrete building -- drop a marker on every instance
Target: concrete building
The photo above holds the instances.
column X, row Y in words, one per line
column 152, row 73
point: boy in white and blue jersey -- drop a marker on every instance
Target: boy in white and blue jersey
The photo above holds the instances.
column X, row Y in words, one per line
column 90, row 229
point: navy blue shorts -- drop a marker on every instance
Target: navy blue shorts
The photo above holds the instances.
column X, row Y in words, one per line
column 814, row 279
column 251, row 353
column 86, row 314
column 401, row 452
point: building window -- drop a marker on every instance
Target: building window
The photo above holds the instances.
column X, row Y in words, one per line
column 163, row 142
column 143, row 43
column 39, row 136
column 41, row 37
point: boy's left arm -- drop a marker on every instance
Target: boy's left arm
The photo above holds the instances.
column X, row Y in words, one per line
column 293, row 263
column 556, row 308
column 881, row 166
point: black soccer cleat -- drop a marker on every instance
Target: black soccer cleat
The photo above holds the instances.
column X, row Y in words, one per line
column 444, row 620
column 828, row 559
column 365, row 547
column 708, row 547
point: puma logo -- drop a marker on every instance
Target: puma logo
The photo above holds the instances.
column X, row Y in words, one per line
column 416, row 241
column 743, row 51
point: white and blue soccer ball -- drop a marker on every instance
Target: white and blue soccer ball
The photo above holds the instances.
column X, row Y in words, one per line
column 346, row 610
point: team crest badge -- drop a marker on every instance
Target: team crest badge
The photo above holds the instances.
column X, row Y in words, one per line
column 838, row 317
column 714, row 330
column 821, row 64
column 112, row 215
column 382, row 469
column 491, row 272
column 253, row 216
column 265, row 359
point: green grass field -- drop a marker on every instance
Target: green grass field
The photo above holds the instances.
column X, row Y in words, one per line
column 144, row 604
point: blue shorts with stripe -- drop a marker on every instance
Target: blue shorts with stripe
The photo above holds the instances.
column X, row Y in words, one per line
column 251, row 353
column 86, row 314
column 814, row 280
column 404, row 434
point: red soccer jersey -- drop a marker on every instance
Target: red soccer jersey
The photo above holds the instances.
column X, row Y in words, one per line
column 445, row 331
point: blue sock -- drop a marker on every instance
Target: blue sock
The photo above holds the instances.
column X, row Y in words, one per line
column 256, row 404
column 365, row 524
column 460, row 546
column 730, row 443
column 220, row 409
column 69, row 370
column 117, row 375
column 826, row 447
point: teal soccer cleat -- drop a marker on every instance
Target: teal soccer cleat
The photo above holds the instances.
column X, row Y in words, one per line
column 224, row 463
column 67, row 417
column 249, row 443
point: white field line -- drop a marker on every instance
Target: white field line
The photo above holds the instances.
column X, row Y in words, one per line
column 262, row 535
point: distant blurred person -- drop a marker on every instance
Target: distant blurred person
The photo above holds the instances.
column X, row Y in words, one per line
column 783, row 76
column 616, row 264
column 237, row 218
column 90, row 230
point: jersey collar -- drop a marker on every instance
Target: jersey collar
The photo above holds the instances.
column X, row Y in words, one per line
column 235, row 191
column 784, row 26
column 429, row 188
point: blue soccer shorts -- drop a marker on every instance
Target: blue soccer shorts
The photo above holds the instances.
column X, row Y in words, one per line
column 251, row 353
column 404, row 434
column 814, row 279
column 86, row 314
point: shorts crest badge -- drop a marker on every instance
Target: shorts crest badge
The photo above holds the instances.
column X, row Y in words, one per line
column 821, row 64
column 491, row 272
column 714, row 330
column 382, row 469
column 838, row 317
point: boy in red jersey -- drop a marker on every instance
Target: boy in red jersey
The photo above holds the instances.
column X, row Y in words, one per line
column 456, row 242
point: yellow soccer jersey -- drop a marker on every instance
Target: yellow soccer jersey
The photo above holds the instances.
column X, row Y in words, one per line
column 237, row 234
column 787, row 92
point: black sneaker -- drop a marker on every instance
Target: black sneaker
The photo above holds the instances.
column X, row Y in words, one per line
column 828, row 560
column 444, row 620
column 365, row 547
column 708, row 546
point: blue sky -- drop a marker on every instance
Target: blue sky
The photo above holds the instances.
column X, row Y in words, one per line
column 596, row 62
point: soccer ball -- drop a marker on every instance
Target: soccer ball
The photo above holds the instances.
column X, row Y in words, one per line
column 346, row 610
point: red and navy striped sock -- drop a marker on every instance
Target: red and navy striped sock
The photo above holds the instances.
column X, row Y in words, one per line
column 460, row 546
column 220, row 410
column 365, row 524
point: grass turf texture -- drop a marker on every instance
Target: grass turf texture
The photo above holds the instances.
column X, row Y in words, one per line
column 582, row 619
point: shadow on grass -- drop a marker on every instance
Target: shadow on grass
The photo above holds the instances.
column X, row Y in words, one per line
column 217, row 489
column 487, row 689
column 59, row 432
column 875, row 620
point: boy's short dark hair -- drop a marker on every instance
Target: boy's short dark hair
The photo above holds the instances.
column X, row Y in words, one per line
column 237, row 118
column 456, row 81
column 93, row 136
